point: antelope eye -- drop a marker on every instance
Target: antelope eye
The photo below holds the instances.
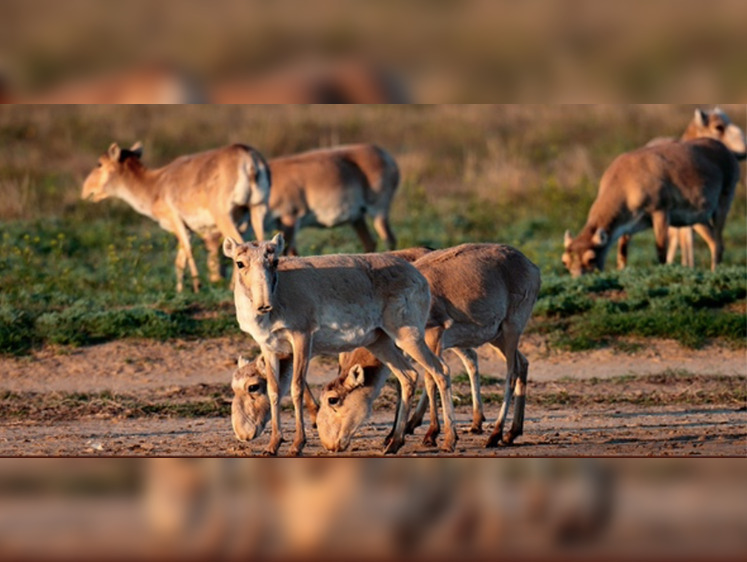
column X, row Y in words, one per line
column 333, row 400
column 720, row 128
column 240, row 264
column 253, row 387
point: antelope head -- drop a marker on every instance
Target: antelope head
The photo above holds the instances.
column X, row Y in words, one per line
column 106, row 178
column 250, row 408
column 585, row 253
column 257, row 264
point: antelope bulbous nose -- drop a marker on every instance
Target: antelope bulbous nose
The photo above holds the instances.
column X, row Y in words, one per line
column 264, row 309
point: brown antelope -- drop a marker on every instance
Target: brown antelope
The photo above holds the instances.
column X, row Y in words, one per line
column 330, row 304
column 712, row 124
column 328, row 187
column 673, row 183
column 250, row 409
column 208, row 193
column 480, row 293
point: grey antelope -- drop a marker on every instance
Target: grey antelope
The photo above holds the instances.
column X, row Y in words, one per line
column 480, row 293
column 333, row 186
column 686, row 183
column 208, row 193
column 713, row 124
column 330, row 304
column 250, row 410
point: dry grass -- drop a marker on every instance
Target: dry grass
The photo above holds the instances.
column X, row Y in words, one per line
column 498, row 153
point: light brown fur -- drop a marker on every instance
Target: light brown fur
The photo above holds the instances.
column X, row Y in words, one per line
column 329, row 187
column 327, row 305
column 251, row 408
column 713, row 124
column 207, row 193
column 678, row 183
column 480, row 293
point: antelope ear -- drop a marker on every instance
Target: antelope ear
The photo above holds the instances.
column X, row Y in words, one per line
column 600, row 237
column 229, row 247
column 701, row 118
column 567, row 239
column 243, row 361
column 114, row 151
column 355, row 377
column 261, row 364
column 279, row 242
column 137, row 149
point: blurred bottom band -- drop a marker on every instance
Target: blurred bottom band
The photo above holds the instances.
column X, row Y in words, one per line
column 308, row 509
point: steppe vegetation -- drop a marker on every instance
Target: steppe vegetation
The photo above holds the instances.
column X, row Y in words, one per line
column 77, row 273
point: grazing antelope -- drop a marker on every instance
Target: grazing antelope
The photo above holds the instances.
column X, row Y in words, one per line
column 250, row 410
column 208, row 193
column 683, row 183
column 330, row 304
column 329, row 187
column 712, row 124
column 480, row 293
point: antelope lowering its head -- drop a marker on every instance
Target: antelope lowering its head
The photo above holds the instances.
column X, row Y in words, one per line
column 685, row 183
column 713, row 124
column 480, row 293
column 327, row 305
column 207, row 193
column 329, row 187
column 250, row 408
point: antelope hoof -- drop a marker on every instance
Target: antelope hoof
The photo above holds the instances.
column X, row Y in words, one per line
column 493, row 441
column 511, row 436
column 475, row 429
column 297, row 449
column 449, row 445
column 393, row 446
column 272, row 448
column 430, row 436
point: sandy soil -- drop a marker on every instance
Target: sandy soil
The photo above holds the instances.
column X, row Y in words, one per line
column 113, row 399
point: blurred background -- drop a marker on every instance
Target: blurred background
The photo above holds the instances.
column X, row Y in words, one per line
column 289, row 51
column 372, row 509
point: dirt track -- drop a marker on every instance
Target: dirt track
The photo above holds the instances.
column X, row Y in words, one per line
column 150, row 398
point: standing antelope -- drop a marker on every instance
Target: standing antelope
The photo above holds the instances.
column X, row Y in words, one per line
column 673, row 183
column 713, row 124
column 329, row 187
column 250, row 409
column 207, row 193
column 330, row 304
column 480, row 293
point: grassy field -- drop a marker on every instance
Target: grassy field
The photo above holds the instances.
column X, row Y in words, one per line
column 78, row 273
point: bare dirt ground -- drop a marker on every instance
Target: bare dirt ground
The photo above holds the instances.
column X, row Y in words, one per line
column 146, row 398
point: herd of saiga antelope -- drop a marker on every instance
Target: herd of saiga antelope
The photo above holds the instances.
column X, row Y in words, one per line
column 379, row 311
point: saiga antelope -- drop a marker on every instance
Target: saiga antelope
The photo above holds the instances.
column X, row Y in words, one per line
column 330, row 304
column 675, row 183
column 329, row 187
column 250, row 408
column 208, row 193
column 480, row 293
column 712, row 124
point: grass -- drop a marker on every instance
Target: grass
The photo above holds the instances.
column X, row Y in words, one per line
column 75, row 273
